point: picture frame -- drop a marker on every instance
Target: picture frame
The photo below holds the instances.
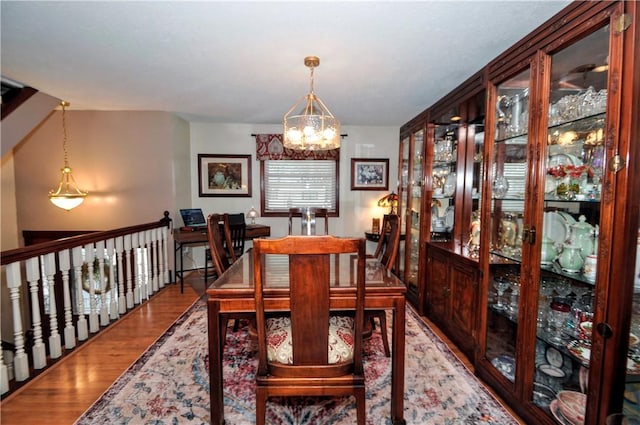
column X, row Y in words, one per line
column 369, row 173
column 224, row 175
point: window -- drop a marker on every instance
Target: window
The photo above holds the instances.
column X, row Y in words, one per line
column 298, row 183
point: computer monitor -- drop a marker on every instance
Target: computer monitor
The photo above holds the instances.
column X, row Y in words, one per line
column 193, row 217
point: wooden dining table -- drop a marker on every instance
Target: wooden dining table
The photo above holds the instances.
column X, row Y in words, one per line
column 233, row 293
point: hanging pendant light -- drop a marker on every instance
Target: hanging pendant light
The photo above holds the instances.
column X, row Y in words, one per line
column 312, row 127
column 67, row 196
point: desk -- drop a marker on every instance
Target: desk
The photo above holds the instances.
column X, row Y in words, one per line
column 233, row 293
column 199, row 237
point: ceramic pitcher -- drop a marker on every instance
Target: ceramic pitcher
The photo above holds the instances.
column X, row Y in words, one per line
column 571, row 258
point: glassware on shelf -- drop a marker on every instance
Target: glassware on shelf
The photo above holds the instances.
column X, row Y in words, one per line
column 514, row 301
column 501, row 284
column 500, row 186
column 560, row 313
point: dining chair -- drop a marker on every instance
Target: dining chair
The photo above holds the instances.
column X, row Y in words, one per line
column 318, row 213
column 218, row 235
column 309, row 351
column 387, row 252
column 237, row 231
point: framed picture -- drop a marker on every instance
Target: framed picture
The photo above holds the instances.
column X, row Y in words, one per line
column 224, row 175
column 369, row 173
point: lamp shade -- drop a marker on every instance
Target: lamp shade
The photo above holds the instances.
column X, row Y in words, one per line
column 389, row 201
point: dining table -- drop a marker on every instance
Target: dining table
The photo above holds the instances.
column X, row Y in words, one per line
column 233, row 294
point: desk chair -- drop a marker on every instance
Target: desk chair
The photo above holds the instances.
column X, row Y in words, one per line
column 386, row 252
column 309, row 351
column 319, row 213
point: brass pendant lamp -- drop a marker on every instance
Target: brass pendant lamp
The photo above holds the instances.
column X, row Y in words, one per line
column 309, row 125
column 67, row 196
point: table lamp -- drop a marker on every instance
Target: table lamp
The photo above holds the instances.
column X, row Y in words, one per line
column 252, row 214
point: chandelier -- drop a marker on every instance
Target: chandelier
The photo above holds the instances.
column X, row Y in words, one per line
column 312, row 127
column 67, row 196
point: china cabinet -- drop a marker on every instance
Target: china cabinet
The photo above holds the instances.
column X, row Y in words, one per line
column 529, row 224
column 554, row 138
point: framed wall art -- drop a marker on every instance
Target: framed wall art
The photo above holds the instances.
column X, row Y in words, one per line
column 369, row 173
column 224, row 175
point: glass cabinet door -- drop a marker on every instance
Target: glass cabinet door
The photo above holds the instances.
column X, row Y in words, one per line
column 508, row 174
column 412, row 237
column 444, row 176
column 570, row 225
column 475, row 136
column 403, row 186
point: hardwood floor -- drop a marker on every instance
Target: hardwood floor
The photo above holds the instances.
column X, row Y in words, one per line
column 60, row 395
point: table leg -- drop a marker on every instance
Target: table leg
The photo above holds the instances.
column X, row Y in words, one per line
column 397, row 363
column 215, row 364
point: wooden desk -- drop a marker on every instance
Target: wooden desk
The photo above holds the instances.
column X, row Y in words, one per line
column 233, row 293
column 199, row 237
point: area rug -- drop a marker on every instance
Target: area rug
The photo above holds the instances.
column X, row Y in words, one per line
column 169, row 384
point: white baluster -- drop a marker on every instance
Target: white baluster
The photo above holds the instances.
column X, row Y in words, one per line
column 156, row 259
column 69, row 329
column 76, row 255
column 4, row 373
column 164, row 260
column 127, row 251
column 104, row 310
column 122, row 302
column 55, row 342
column 113, row 280
column 135, row 244
column 143, row 267
column 93, row 308
column 14, row 282
column 38, row 351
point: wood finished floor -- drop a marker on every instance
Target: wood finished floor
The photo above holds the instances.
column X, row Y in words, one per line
column 60, row 395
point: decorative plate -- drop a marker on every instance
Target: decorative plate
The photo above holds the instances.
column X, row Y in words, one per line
column 506, row 364
column 552, row 371
column 557, row 414
column 581, row 350
column 554, row 357
column 555, row 227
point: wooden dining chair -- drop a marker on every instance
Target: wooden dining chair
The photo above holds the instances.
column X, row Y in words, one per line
column 309, row 351
column 318, row 212
column 387, row 252
column 219, row 235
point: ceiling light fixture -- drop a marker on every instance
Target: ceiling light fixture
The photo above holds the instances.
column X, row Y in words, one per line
column 312, row 127
column 67, row 196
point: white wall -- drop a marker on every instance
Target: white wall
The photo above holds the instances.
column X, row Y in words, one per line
column 357, row 208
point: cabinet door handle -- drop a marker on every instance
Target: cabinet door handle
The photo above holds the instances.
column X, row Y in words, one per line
column 529, row 235
column 604, row 329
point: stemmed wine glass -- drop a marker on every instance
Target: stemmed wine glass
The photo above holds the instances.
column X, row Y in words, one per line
column 501, row 285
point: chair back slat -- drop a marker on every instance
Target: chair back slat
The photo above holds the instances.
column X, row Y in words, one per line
column 309, row 320
column 237, row 231
column 218, row 235
column 389, row 241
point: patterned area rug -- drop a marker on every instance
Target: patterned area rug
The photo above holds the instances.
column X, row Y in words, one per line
column 169, row 384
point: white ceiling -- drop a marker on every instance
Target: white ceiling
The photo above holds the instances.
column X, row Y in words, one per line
column 381, row 63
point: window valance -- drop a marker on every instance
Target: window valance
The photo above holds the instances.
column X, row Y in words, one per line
column 269, row 146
